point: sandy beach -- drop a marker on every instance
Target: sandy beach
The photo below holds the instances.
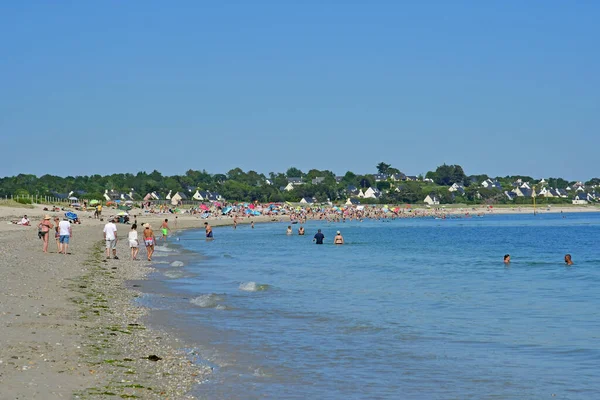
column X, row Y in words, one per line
column 70, row 326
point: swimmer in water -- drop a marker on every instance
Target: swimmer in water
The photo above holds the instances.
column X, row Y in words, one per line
column 338, row 239
column 507, row 259
column 301, row 231
column 568, row 260
column 289, row 230
column 208, row 230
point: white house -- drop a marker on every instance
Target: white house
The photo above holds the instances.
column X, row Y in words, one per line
column 372, row 193
column 352, row 202
column 523, row 192
column 491, row 184
column 168, row 196
column 455, row 187
column 432, row 200
column 307, row 200
column 177, row 197
column 581, row 198
column 360, row 194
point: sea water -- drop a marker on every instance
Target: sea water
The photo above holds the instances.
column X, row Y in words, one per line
column 406, row 309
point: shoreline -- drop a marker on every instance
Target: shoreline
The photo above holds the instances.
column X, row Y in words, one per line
column 72, row 327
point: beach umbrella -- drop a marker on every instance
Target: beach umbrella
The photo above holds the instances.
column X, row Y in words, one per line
column 122, row 213
column 71, row 215
column 118, row 201
column 94, row 202
column 203, row 207
column 73, row 198
column 129, row 202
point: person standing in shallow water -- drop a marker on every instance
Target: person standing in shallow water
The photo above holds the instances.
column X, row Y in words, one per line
column 338, row 239
column 165, row 229
column 568, row 259
column 208, row 230
column 319, row 237
column 301, row 231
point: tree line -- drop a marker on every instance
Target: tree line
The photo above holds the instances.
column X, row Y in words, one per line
column 239, row 185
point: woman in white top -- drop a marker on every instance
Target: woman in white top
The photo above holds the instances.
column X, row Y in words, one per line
column 133, row 242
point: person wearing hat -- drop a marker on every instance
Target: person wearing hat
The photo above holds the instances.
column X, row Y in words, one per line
column 338, row 239
column 44, row 229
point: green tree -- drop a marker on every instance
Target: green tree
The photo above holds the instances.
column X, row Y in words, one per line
column 383, row 168
column 293, row 172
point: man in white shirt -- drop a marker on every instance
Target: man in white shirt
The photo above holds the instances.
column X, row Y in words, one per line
column 24, row 221
column 110, row 236
column 65, row 234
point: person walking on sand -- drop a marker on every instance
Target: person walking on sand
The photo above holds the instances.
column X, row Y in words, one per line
column 66, row 233
column 133, row 241
column 164, row 228
column 149, row 240
column 208, row 230
column 110, row 237
column 44, row 231
column 338, row 239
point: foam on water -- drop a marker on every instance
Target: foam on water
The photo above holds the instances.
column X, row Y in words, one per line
column 163, row 249
column 253, row 287
column 207, row 301
column 177, row 264
column 174, row 274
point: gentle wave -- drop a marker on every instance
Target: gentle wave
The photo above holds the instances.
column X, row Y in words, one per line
column 174, row 274
column 177, row 264
column 207, row 301
column 163, row 249
column 253, row 287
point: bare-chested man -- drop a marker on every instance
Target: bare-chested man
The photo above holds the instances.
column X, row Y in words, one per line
column 165, row 229
column 208, row 230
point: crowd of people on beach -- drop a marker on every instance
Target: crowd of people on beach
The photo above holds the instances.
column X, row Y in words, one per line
column 63, row 232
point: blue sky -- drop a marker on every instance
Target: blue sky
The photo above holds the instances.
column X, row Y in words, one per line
column 102, row 87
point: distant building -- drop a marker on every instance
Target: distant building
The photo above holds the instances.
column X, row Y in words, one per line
column 372, row 193
column 352, row 202
column 581, row 198
column 380, row 177
column 432, row 200
column 307, row 200
column 318, row 180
